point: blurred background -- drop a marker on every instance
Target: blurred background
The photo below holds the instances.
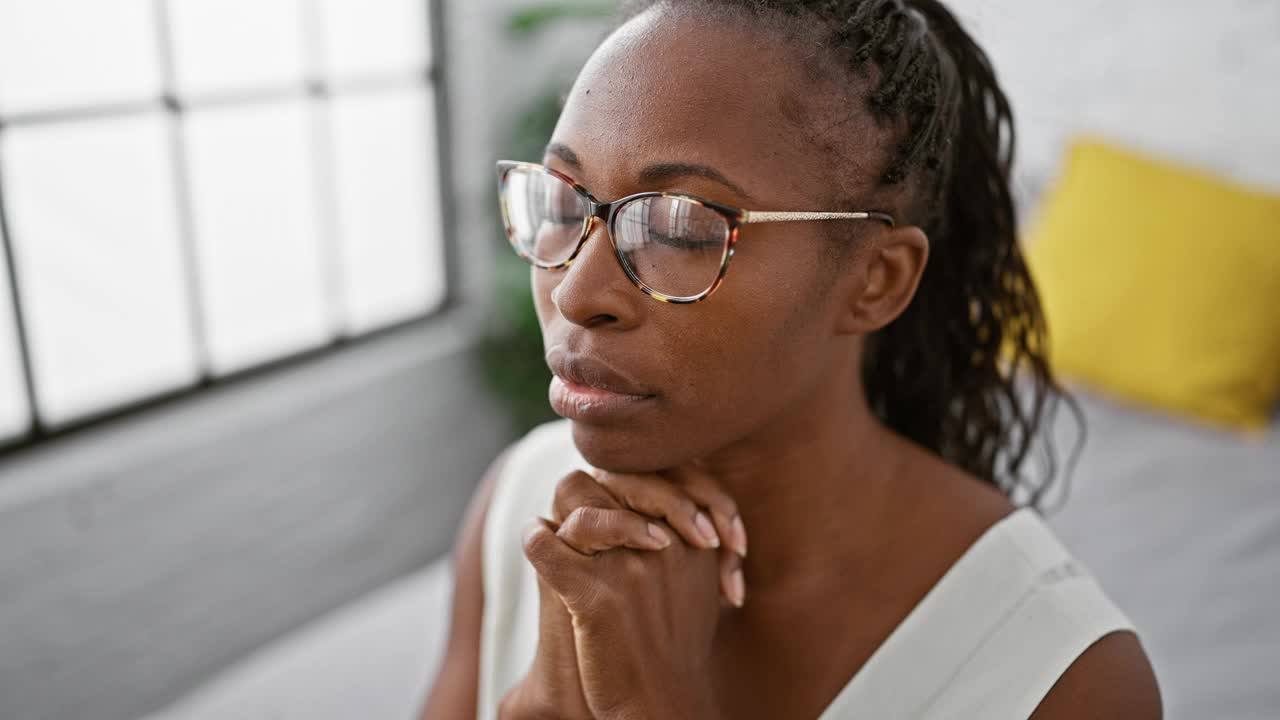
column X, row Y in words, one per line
column 260, row 332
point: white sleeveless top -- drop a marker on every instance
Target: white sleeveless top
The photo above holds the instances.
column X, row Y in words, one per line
column 987, row 641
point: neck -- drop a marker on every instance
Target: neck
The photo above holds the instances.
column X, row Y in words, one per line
column 813, row 487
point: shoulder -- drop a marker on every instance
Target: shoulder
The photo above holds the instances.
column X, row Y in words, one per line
column 1111, row 679
column 1105, row 671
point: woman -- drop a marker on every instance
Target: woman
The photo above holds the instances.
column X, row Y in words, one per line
column 841, row 393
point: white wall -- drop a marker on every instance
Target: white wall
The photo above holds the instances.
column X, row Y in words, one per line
column 1186, row 79
column 1190, row 80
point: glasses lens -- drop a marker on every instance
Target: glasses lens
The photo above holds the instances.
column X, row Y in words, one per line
column 674, row 246
column 543, row 214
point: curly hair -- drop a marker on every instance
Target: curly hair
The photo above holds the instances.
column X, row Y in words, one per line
column 963, row 371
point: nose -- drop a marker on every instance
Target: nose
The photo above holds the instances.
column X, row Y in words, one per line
column 594, row 291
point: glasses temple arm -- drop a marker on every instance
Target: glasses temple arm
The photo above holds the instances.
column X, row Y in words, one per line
column 759, row 216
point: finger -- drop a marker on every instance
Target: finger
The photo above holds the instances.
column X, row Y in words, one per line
column 560, row 565
column 555, row 662
column 660, row 498
column 576, row 490
column 589, row 530
column 732, row 581
column 592, row 529
column 708, row 492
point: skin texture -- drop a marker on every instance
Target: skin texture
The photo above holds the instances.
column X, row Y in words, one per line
column 759, row 413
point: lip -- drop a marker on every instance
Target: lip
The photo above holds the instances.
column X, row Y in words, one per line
column 587, row 389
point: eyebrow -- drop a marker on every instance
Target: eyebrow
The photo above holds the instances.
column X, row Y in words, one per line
column 656, row 173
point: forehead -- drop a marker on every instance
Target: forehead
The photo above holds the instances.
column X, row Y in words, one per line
column 714, row 90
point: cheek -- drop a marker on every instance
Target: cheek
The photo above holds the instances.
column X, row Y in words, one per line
column 737, row 362
column 541, row 283
column 733, row 369
column 761, row 344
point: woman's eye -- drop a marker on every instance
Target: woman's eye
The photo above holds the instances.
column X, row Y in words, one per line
column 562, row 208
column 682, row 242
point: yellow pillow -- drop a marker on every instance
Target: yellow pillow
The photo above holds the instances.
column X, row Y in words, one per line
column 1161, row 284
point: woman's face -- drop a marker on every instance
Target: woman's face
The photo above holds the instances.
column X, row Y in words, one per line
column 665, row 92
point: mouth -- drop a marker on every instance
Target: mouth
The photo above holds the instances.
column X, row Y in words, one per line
column 589, row 390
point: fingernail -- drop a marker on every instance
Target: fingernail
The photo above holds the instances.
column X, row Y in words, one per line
column 708, row 530
column 739, row 535
column 659, row 536
column 737, row 589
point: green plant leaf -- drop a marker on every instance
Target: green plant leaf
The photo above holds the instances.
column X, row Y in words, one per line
column 530, row 20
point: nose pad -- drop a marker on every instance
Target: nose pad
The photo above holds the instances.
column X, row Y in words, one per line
column 594, row 223
column 596, row 290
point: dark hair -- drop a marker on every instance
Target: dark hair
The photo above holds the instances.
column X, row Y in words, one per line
column 963, row 371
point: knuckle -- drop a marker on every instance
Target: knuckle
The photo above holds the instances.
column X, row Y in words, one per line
column 593, row 518
column 534, row 542
column 572, row 478
column 619, row 487
column 573, row 526
column 621, row 483
column 652, row 495
column 568, row 484
column 590, row 529
column 584, row 520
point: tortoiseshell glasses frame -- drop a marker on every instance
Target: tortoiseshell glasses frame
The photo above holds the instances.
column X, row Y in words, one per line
column 606, row 212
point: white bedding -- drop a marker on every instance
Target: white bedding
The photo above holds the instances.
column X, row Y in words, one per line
column 1182, row 526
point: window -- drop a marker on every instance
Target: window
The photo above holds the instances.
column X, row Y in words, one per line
column 193, row 188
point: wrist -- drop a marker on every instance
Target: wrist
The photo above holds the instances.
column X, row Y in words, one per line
column 526, row 701
column 515, row 705
column 669, row 707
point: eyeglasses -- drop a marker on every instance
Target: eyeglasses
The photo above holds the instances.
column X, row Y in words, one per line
column 676, row 248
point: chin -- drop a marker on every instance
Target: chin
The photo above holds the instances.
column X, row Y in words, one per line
column 624, row 449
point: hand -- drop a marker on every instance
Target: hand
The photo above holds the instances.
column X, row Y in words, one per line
column 642, row 620
column 551, row 689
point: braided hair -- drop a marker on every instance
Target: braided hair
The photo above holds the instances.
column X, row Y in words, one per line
column 963, row 371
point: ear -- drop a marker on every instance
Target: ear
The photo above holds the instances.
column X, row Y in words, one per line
column 888, row 274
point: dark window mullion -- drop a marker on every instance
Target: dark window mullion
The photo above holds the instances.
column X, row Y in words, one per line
column 435, row 71
column 182, row 191
column 87, row 112
column 324, row 185
column 35, row 428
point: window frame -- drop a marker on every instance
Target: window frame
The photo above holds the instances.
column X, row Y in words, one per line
column 316, row 88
